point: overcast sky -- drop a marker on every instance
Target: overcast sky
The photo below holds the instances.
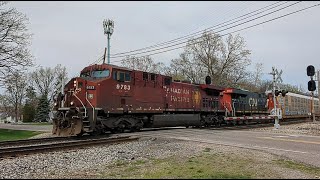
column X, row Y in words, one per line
column 71, row 33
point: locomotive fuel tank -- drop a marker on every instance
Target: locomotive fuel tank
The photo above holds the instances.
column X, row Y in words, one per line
column 174, row 120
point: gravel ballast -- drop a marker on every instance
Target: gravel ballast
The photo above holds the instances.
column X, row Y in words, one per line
column 308, row 128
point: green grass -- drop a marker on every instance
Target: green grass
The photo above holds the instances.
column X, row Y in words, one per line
column 8, row 134
column 206, row 165
column 298, row 166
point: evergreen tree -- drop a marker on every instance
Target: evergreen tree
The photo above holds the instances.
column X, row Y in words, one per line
column 29, row 112
column 29, row 109
column 43, row 109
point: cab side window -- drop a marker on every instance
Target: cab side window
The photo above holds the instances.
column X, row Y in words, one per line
column 122, row 76
column 127, row 77
column 115, row 75
column 167, row 81
column 145, row 76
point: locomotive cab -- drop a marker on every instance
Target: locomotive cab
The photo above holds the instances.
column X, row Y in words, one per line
column 77, row 107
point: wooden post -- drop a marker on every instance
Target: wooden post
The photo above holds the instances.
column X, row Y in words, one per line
column 104, row 56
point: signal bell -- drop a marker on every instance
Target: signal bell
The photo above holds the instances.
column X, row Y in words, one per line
column 284, row 92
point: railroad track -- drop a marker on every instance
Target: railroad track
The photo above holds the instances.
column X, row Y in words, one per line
column 33, row 141
column 45, row 140
column 259, row 125
column 24, row 150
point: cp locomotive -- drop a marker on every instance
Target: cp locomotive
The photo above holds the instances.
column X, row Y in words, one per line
column 111, row 98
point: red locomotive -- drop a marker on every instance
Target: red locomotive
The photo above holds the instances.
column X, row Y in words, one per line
column 112, row 98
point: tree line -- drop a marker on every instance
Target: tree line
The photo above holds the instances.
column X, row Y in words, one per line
column 27, row 94
column 225, row 60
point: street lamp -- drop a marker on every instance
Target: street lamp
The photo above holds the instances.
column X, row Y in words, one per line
column 108, row 26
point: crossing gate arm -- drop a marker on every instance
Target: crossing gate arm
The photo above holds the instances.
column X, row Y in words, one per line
column 247, row 118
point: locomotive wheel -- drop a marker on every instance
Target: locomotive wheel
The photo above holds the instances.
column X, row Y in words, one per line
column 80, row 134
column 135, row 129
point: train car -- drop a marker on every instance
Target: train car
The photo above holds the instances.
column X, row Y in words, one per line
column 243, row 106
column 295, row 105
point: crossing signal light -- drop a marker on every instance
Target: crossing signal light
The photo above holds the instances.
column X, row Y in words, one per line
column 208, row 80
column 311, row 85
column 284, row 92
column 277, row 92
column 310, row 70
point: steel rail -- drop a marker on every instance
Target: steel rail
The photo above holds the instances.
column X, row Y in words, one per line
column 23, row 150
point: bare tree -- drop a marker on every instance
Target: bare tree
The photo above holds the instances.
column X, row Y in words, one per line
column 257, row 74
column 186, row 68
column 253, row 80
column 145, row 64
column 14, row 41
column 225, row 62
column 15, row 86
column 6, row 108
column 45, row 80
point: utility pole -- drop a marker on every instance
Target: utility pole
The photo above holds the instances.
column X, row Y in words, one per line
column 104, row 55
column 312, row 109
column 318, row 78
column 62, row 87
column 108, row 26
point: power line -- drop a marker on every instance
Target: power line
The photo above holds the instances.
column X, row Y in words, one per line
column 216, row 32
column 97, row 61
column 236, row 30
column 204, row 21
column 201, row 31
column 189, row 34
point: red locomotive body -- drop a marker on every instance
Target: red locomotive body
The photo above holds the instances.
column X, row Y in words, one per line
column 112, row 98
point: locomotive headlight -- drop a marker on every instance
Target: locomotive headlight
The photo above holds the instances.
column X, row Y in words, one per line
column 75, row 83
column 55, row 104
column 71, row 103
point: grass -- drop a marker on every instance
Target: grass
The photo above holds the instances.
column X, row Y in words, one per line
column 206, row 165
column 8, row 134
column 298, row 166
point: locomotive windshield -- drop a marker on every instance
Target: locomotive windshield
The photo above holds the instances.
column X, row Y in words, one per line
column 100, row 74
column 96, row 74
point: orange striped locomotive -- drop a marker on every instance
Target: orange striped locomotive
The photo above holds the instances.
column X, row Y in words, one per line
column 112, row 98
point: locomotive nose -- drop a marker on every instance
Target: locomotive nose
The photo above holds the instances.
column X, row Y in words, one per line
column 73, row 90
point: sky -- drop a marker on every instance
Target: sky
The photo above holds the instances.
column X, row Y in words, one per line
column 71, row 33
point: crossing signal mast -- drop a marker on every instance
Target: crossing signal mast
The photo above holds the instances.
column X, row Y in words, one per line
column 276, row 112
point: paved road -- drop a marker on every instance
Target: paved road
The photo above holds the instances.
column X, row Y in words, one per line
column 45, row 128
column 301, row 148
